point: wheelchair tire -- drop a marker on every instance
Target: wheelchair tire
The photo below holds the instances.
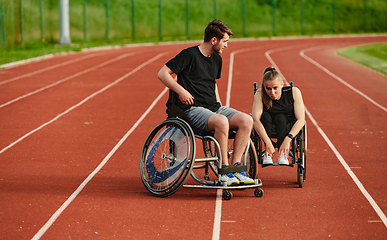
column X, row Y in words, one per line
column 301, row 165
column 251, row 159
column 167, row 157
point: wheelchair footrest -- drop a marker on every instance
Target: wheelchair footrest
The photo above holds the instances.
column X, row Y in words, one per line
column 277, row 164
column 257, row 183
column 232, row 169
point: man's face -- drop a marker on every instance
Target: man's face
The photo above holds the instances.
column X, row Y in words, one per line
column 219, row 45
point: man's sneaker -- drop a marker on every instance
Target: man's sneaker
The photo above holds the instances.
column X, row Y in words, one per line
column 229, row 179
column 283, row 160
column 267, row 159
column 242, row 177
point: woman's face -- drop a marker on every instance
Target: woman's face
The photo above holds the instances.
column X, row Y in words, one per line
column 274, row 87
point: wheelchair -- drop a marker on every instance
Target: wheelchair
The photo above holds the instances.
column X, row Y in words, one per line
column 298, row 150
column 168, row 158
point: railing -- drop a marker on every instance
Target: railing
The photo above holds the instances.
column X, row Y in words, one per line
column 27, row 21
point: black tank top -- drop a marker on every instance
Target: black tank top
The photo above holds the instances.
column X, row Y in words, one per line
column 284, row 105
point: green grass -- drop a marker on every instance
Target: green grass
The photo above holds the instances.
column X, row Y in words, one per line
column 373, row 55
column 255, row 20
column 13, row 54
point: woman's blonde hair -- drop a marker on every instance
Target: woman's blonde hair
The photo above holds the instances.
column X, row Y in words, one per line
column 269, row 74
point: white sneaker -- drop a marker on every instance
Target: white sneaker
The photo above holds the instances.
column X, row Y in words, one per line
column 283, row 160
column 230, row 179
column 267, row 159
column 243, row 178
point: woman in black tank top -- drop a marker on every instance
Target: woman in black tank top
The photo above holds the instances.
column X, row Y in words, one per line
column 275, row 104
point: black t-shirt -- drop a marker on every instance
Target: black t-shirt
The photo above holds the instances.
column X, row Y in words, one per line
column 284, row 105
column 197, row 74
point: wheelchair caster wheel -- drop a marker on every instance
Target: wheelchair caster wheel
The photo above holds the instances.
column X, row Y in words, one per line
column 227, row 195
column 258, row 192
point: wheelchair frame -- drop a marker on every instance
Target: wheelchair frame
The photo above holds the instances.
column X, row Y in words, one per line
column 169, row 156
column 298, row 151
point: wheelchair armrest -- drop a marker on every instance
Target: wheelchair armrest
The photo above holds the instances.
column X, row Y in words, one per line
column 175, row 111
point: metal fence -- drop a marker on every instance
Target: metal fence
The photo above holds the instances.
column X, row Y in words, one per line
column 97, row 21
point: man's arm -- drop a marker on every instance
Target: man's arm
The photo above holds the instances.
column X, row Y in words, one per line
column 217, row 94
column 165, row 76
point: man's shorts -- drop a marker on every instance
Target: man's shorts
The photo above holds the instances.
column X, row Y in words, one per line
column 199, row 116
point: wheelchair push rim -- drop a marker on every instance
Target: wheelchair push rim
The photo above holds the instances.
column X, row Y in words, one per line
column 167, row 157
column 249, row 158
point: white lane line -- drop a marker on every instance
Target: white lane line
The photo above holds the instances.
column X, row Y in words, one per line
column 349, row 171
column 83, row 101
column 218, row 215
column 218, row 203
column 67, row 78
column 302, row 53
column 342, row 161
column 267, row 54
column 49, row 68
column 231, row 69
column 53, row 218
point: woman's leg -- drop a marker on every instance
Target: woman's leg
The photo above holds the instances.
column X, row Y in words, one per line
column 266, row 122
column 280, row 122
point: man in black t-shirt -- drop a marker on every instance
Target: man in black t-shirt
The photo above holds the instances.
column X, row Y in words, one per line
column 197, row 69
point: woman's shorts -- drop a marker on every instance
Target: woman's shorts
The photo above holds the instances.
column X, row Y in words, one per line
column 199, row 116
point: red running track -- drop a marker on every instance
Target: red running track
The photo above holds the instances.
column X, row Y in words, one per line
column 72, row 130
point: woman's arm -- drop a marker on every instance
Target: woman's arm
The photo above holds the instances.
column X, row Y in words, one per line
column 299, row 112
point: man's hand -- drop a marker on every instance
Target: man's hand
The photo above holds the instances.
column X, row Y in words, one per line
column 185, row 97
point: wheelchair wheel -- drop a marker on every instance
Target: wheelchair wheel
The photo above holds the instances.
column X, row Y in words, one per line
column 210, row 150
column 251, row 157
column 167, row 157
column 301, row 156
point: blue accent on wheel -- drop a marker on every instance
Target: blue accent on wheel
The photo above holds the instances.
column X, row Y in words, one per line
column 162, row 175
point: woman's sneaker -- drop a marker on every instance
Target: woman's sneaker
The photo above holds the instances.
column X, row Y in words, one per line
column 267, row 160
column 283, row 160
column 230, row 179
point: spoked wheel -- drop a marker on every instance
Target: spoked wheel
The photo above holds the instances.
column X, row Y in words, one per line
column 252, row 161
column 210, row 150
column 301, row 156
column 251, row 156
column 167, row 157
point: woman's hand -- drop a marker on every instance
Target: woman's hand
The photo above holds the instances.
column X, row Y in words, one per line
column 270, row 150
column 285, row 146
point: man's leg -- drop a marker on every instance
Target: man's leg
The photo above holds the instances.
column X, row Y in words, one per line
column 243, row 123
column 220, row 125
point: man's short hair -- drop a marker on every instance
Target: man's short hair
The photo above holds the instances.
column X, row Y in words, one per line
column 217, row 29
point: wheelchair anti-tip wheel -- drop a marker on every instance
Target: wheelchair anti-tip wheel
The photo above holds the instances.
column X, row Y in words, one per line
column 167, row 157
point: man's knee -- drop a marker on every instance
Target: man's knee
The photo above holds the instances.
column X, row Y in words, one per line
column 218, row 123
column 242, row 121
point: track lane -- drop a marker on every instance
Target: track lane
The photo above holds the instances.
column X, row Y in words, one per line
column 48, row 104
column 286, row 205
column 51, row 162
column 105, row 199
